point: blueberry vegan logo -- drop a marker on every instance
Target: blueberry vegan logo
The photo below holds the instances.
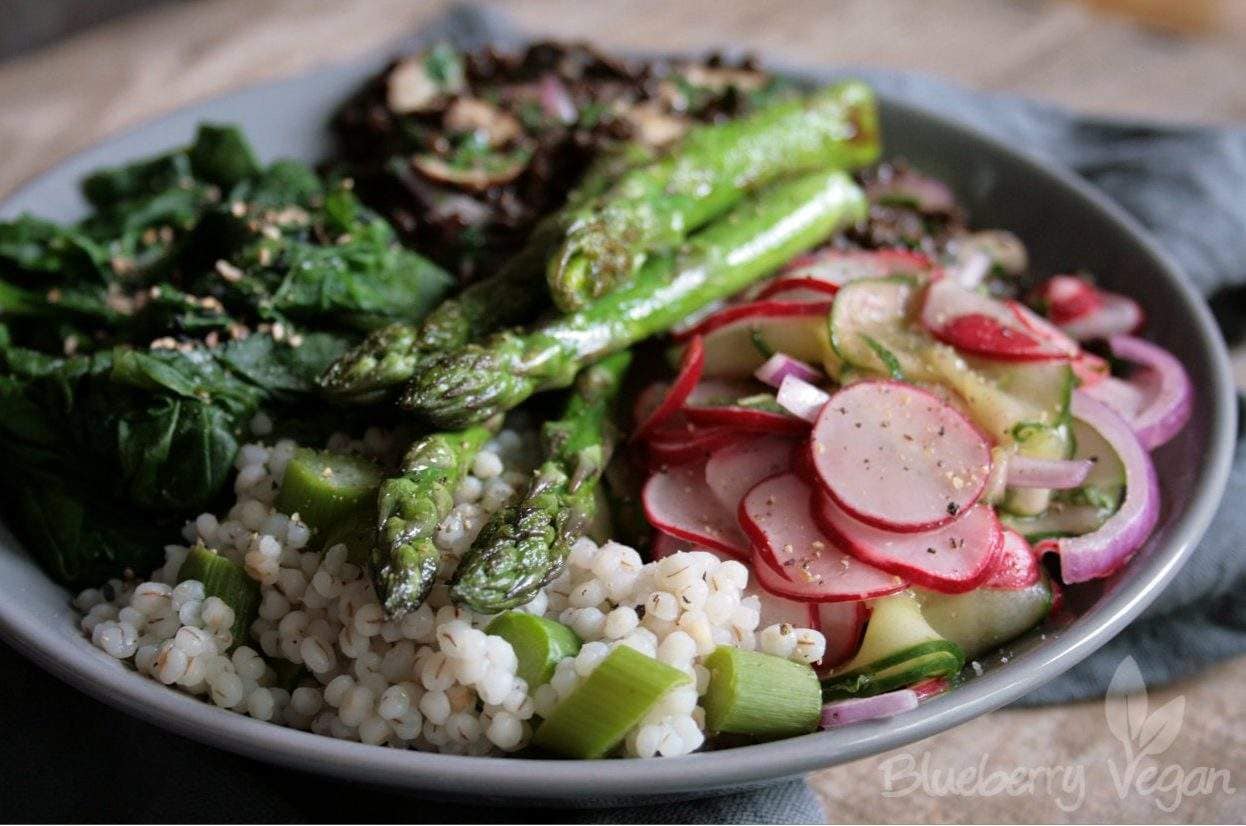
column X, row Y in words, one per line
column 1145, row 735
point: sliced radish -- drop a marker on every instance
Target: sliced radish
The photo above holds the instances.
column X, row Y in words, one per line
column 740, row 337
column 1016, row 567
column 690, row 367
column 1067, row 297
column 775, row 609
column 838, row 267
column 798, row 288
column 747, row 418
column 974, row 323
column 930, row 687
column 1090, row 369
column 897, row 457
column 951, row 559
column 1086, row 312
column 735, row 469
column 686, row 443
column 794, row 558
column 678, row 502
column 843, row 625
column 664, row 545
column 647, row 401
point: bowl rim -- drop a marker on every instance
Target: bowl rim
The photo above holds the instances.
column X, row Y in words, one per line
column 544, row 780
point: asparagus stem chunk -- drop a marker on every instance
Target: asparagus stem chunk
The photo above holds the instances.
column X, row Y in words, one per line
column 595, row 718
column 760, row 695
column 324, row 488
column 409, row 508
column 228, row 582
column 483, row 379
column 390, row 356
column 524, row 545
column 653, row 208
column 539, row 644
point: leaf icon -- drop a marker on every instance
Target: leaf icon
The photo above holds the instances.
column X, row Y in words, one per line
column 1161, row 728
column 1126, row 703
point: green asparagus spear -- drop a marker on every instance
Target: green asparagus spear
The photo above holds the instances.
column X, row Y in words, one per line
column 409, row 508
column 525, row 544
column 652, row 209
column 483, row 379
column 390, row 356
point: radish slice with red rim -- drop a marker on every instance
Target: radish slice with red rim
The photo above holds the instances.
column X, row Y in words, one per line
column 898, row 457
column 736, row 313
column 678, row 502
column 690, row 367
column 1090, row 369
column 739, row 338
column 797, row 288
column 930, row 687
column 687, row 443
column 747, row 418
column 1066, row 297
column 977, row 324
column 950, row 559
column 1102, row 552
column 1118, row 315
column 735, row 469
column 838, row 267
column 794, row 558
column 775, row 609
column 1016, row 567
column 843, row 625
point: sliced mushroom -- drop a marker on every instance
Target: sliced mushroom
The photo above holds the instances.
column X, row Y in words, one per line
column 469, row 114
column 420, row 83
column 494, row 169
column 654, row 126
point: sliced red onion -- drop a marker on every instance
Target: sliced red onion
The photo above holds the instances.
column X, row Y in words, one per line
column 1052, row 474
column 1102, row 552
column 860, row 709
column 1126, row 398
column 780, row 366
column 556, row 100
column 970, row 268
column 800, row 398
column 1163, row 396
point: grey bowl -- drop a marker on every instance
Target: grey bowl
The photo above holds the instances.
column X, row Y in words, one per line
column 1002, row 188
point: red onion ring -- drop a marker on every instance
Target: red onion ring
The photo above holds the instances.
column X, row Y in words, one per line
column 780, row 366
column 800, row 398
column 1101, row 552
column 1052, row 474
column 860, row 709
column 1158, row 402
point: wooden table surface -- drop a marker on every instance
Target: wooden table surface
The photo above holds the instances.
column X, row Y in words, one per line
column 65, row 98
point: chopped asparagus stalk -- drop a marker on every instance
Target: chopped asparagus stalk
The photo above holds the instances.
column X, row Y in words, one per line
column 760, row 695
column 539, row 644
column 597, row 716
column 324, row 488
column 228, row 582
column 357, row 531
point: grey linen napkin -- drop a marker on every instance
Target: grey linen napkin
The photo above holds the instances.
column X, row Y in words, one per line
column 84, row 761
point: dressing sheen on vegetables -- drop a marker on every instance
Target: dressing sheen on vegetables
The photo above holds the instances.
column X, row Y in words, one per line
column 725, row 432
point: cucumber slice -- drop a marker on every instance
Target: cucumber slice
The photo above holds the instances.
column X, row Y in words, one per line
column 870, row 328
column 982, row 620
column 539, row 644
column 593, row 721
column 760, row 695
column 1039, row 441
column 227, row 581
column 324, row 488
column 899, row 649
column 1002, row 395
